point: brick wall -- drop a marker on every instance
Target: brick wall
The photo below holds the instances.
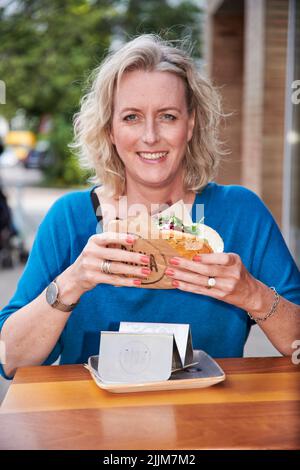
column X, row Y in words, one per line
column 226, row 70
column 253, row 98
column 276, row 23
column 264, row 100
column 247, row 58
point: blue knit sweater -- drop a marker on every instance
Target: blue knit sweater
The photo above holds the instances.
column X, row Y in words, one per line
column 247, row 228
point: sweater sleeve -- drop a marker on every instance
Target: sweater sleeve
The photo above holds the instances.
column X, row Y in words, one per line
column 277, row 267
column 50, row 255
column 269, row 258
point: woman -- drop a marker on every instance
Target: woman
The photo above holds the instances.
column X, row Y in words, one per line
column 148, row 126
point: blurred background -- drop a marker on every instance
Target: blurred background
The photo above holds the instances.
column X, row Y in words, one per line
column 249, row 48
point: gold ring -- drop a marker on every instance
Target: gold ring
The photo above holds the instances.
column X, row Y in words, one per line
column 105, row 266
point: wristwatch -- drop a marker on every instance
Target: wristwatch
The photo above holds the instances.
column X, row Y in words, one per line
column 52, row 297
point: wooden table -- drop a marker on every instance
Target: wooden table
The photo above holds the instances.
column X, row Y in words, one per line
column 60, row 407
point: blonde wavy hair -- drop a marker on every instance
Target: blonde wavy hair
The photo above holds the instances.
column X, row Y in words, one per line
column 92, row 123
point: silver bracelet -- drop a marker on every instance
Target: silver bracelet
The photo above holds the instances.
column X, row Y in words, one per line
column 273, row 308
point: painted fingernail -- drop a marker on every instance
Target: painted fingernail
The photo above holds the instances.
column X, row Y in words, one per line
column 197, row 258
column 169, row 272
column 146, row 271
column 145, row 259
column 174, row 261
column 175, row 283
column 137, row 282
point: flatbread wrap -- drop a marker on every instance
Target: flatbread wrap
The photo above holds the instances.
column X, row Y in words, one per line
column 162, row 238
column 191, row 240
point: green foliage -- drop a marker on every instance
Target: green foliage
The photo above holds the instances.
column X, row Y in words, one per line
column 173, row 20
column 65, row 168
column 48, row 49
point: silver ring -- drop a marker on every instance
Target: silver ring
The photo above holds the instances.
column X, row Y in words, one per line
column 105, row 266
column 211, row 282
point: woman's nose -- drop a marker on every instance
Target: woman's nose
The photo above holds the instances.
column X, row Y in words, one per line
column 150, row 133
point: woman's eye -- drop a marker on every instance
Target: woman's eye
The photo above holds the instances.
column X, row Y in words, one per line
column 130, row 117
column 169, row 117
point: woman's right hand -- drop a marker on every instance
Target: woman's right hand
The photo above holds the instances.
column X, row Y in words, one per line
column 85, row 273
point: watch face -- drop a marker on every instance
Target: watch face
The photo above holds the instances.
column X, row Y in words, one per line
column 51, row 293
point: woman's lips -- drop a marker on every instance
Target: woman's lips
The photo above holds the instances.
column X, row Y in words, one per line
column 153, row 157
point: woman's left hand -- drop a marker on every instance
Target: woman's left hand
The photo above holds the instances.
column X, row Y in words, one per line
column 233, row 282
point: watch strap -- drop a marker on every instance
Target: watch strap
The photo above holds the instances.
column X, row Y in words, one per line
column 64, row 308
column 60, row 305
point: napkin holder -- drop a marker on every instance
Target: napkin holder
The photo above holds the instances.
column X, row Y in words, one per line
column 144, row 352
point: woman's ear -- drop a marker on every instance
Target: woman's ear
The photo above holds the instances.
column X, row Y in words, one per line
column 191, row 124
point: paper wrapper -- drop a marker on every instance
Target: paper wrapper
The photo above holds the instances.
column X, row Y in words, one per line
column 151, row 243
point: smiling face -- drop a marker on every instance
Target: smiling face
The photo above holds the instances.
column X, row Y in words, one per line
column 151, row 127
